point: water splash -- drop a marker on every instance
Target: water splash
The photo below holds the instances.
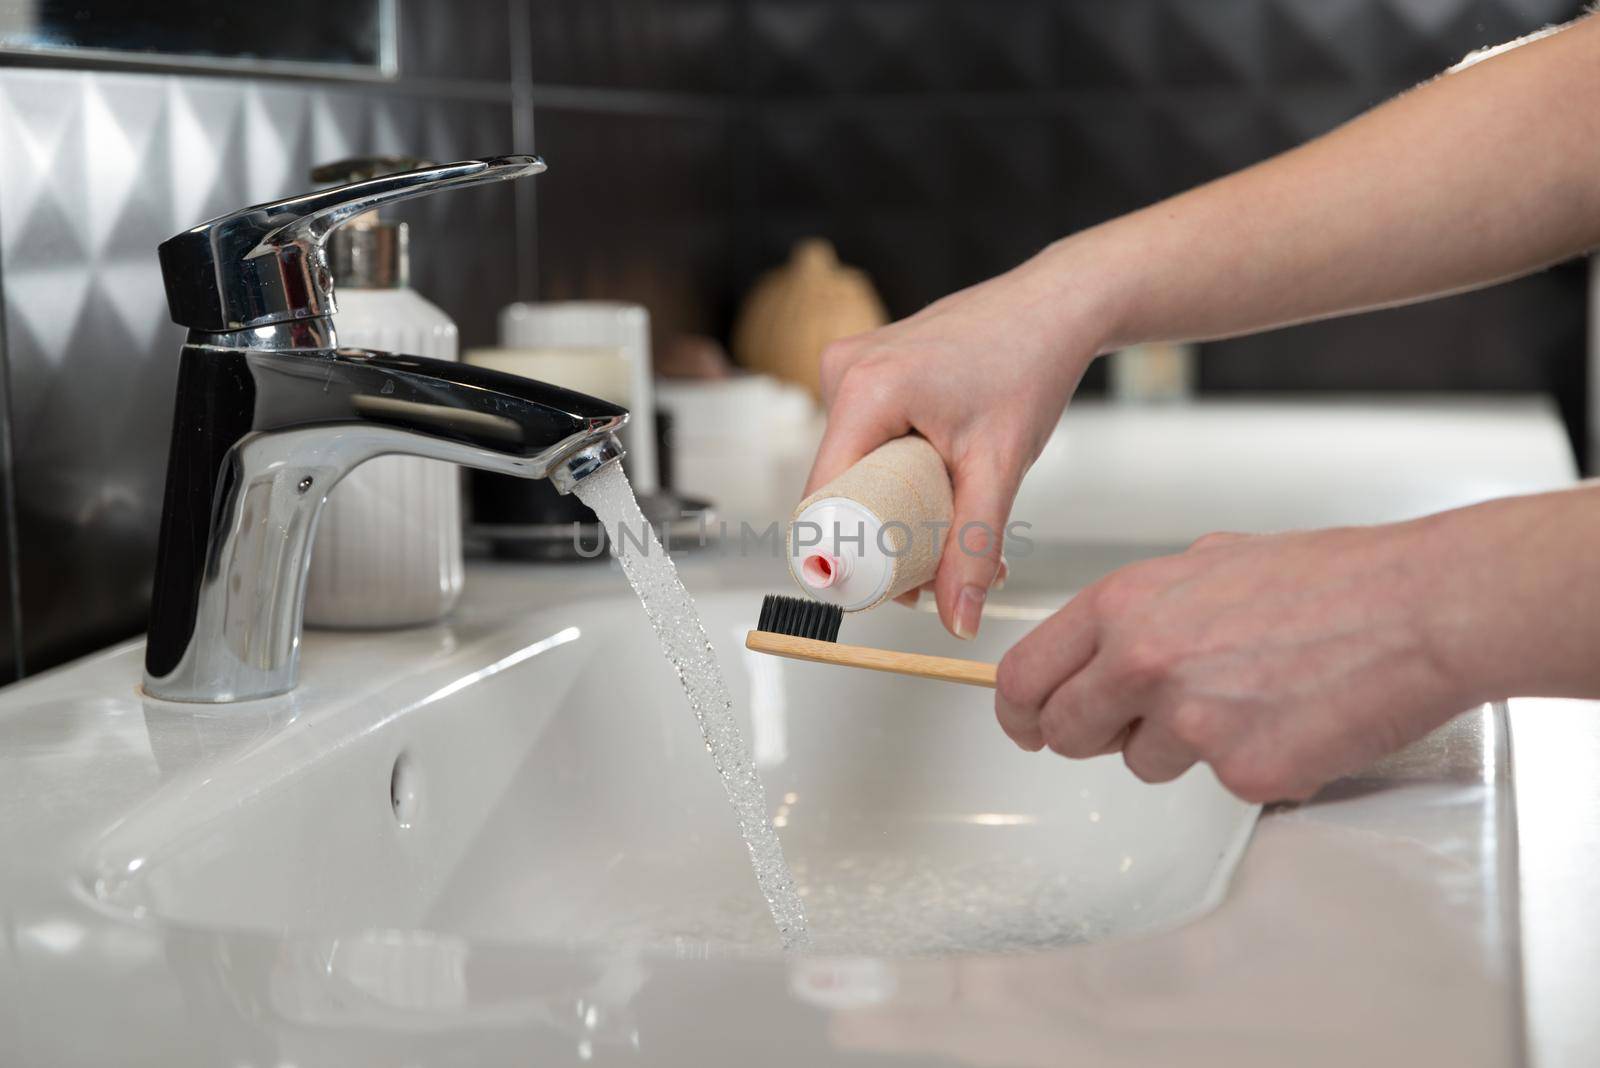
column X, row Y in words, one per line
column 683, row 640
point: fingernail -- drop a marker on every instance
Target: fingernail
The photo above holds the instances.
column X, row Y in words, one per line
column 969, row 610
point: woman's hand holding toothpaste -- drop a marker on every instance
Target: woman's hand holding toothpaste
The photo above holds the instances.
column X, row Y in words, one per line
column 982, row 374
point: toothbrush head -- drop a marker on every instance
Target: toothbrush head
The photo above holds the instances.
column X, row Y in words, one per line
column 800, row 618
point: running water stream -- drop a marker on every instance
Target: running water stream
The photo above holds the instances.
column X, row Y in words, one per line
column 687, row 648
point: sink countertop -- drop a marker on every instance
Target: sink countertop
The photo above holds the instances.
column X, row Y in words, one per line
column 1377, row 923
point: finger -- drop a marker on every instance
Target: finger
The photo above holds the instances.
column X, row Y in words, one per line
column 1035, row 667
column 984, row 490
column 1021, row 728
column 912, row 598
column 1083, row 717
column 1216, row 540
column 837, row 357
column 857, row 423
column 1116, row 742
column 1155, row 754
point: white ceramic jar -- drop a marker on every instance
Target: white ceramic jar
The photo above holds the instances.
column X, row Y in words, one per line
column 388, row 543
column 599, row 324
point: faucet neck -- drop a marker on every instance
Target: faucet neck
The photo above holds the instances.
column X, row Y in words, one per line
column 371, row 257
column 310, row 336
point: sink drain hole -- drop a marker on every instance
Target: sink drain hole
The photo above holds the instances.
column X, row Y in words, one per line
column 404, row 793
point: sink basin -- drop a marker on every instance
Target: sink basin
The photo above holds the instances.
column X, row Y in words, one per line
column 544, row 782
column 500, row 841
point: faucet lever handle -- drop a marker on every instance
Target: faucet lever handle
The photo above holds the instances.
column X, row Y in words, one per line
column 268, row 263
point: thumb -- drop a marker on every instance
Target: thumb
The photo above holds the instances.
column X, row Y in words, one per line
column 985, row 488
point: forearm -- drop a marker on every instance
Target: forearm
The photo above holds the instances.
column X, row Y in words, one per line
column 1490, row 172
column 1514, row 608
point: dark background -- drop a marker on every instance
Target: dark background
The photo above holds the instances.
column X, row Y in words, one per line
column 691, row 142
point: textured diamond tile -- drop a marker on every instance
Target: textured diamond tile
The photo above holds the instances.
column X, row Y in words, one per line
column 1107, row 44
column 1479, row 24
column 1205, row 137
column 905, row 44
column 1218, row 43
column 1013, row 46
column 656, row 231
column 43, row 306
column 95, row 171
column 1533, row 13
column 1306, row 43
column 858, row 162
column 831, row 46
column 1429, row 18
column 911, row 263
column 1526, row 336
column 1303, row 114
column 1019, row 153
column 801, row 47
column 1110, row 158
column 684, row 45
column 990, row 238
column 458, row 39
column 789, row 165
column 896, row 160
column 1403, row 39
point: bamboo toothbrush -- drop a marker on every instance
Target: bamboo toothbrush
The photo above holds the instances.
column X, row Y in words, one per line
column 809, row 630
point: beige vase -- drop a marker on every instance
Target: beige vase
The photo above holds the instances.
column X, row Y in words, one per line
column 794, row 311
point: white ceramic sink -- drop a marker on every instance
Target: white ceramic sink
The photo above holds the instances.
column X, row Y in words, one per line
column 186, row 885
column 255, row 884
column 545, row 782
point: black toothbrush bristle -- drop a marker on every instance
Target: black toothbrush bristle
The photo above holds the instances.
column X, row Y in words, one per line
column 800, row 618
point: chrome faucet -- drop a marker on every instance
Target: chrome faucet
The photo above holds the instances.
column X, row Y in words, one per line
column 271, row 413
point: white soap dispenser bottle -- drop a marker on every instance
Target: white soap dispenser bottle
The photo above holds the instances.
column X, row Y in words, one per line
column 388, row 543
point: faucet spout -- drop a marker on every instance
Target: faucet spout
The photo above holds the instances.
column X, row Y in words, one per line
column 260, row 437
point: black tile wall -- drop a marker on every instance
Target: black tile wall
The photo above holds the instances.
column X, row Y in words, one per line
column 916, row 47
column 683, row 46
column 940, row 142
column 1527, row 336
column 1121, row 101
column 806, row 47
column 637, row 207
column 464, row 244
column 461, row 39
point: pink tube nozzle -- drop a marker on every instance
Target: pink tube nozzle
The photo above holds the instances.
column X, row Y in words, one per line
column 820, row 571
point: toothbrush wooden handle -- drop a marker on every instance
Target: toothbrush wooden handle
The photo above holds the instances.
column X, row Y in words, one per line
column 943, row 668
